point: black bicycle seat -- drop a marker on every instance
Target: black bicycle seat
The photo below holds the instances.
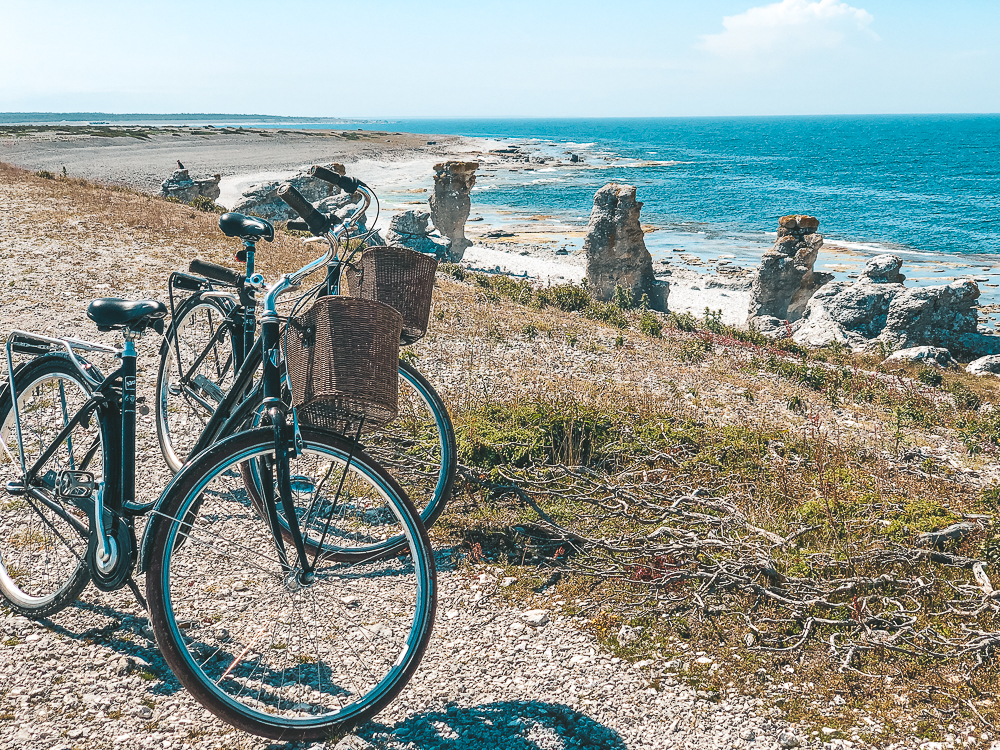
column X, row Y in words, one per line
column 111, row 313
column 246, row 227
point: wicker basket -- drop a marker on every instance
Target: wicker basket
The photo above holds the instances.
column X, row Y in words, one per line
column 400, row 278
column 343, row 362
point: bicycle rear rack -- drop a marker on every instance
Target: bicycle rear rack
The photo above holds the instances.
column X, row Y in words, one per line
column 35, row 345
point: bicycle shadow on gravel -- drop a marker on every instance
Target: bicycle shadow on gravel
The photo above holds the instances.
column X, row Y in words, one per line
column 122, row 635
column 505, row 725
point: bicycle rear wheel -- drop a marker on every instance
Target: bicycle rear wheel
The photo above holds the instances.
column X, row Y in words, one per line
column 195, row 373
column 43, row 534
column 418, row 447
column 253, row 645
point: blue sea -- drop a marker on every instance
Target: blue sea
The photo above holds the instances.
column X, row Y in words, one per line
column 925, row 183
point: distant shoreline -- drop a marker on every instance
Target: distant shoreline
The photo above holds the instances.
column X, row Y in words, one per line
column 143, row 157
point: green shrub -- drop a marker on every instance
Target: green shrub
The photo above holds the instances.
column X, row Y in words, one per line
column 650, row 324
column 606, row 312
column 965, row 400
column 566, row 297
column 683, row 322
column 45, row 175
column 930, row 376
column 623, row 298
column 695, row 350
column 206, row 204
column 499, row 287
column 713, row 321
column 452, row 269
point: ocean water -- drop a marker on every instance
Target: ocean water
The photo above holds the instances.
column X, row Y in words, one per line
column 926, row 187
column 925, row 183
column 918, row 183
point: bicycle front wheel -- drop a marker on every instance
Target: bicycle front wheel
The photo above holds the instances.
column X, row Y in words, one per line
column 43, row 529
column 195, row 373
column 417, row 448
column 245, row 637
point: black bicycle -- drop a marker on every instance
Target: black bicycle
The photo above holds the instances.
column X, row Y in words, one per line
column 207, row 384
column 262, row 597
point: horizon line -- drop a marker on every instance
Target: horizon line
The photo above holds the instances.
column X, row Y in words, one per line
column 363, row 118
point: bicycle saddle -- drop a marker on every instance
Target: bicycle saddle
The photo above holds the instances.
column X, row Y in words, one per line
column 112, row 313
column 246, row 227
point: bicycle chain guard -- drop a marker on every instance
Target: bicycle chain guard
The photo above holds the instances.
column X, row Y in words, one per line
column 121, row 573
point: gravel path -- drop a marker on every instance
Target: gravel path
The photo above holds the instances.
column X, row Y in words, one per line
column 92, row 678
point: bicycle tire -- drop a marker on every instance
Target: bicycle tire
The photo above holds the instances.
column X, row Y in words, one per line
column 270, row 657
column 407, row 444
column 183, row 412
column 43, row 550
column 422, row 436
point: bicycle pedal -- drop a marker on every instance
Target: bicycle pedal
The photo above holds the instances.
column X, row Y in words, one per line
column 76, row 483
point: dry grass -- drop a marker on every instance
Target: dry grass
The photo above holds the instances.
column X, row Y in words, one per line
column 848, row 460
column 71, row 218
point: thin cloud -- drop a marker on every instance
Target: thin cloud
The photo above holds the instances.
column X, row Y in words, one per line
column 790, row 26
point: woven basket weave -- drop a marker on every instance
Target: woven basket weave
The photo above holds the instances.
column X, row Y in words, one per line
column 343, row 362
column 400, row 278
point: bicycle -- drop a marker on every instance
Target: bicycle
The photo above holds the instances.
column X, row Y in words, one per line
column 209, row 359
column 288, row 641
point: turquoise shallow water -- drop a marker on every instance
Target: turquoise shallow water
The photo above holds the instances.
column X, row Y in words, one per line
column 923, row 183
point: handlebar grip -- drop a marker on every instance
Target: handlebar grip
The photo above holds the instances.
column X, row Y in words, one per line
column 297, row 224
column 345, row 183
column 318, row 223
column 186, row 282
column 215, row 272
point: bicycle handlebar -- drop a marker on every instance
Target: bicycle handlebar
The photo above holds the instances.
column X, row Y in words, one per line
column 317, row 222
column 345, row 183
column 215, row 272
column 332, row 236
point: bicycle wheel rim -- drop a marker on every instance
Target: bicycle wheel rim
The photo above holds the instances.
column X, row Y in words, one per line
column 183, row 412
column 43, row 562
column 424, row 427
column 225, row 685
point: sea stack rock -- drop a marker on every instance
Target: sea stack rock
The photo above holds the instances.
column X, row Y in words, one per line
column 179, row 185
column 451, row 202
column 409, row 229
column 616, row 251
column 262, row 200
column 785, row 280
column 877, row 308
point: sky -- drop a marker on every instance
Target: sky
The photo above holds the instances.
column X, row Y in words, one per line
column 443, row 58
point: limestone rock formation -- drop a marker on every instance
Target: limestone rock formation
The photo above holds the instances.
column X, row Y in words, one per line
column 451, row 202
column 616, row 251
column 988, row 365
column 410, row 230
column 932, row 315
column 785, row 280
column 930, row 355
column 179, row 185
column 262, row 200
column 878, row 308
